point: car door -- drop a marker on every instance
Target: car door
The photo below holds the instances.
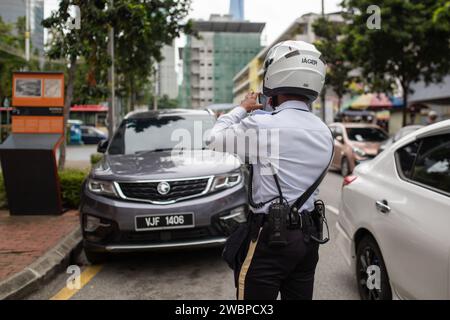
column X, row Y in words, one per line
column 90, row 136
column 413, row 219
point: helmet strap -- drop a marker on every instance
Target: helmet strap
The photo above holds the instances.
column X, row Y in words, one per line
column 275, row 101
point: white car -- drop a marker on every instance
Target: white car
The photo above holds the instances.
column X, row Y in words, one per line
column 394, row 219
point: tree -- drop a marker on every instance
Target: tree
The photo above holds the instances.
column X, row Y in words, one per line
column 88, row 42
column 11, row 55
column 441, row 16
column 408, row 47
column 142, row 28
column 332, row 48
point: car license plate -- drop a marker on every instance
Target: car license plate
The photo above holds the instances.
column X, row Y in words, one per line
column 164, row 221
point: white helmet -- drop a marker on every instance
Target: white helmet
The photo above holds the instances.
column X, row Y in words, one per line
column 294, row 67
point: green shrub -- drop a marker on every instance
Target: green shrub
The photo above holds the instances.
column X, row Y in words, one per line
column 71, row 181
column 95, row 158
column 3, row 199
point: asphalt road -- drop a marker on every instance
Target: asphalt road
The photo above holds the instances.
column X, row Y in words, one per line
column 196, row 274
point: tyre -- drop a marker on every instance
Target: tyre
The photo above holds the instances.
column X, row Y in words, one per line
column 345, row 167
column 96, row 257
column 368, row 254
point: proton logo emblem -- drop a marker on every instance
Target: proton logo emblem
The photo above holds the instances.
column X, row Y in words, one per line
column 163, row 188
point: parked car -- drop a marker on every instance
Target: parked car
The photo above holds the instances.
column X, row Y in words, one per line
column 147, row 194
column 400, row 134
column 92, row 135
column 395, row 215
column 355, row 143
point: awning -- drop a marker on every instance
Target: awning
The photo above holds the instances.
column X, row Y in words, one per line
column 89, row 108
column 371, row 101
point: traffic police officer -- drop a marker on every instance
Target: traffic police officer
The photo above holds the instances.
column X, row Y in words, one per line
column 294, row 76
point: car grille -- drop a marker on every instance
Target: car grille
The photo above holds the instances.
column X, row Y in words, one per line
column 179, row 189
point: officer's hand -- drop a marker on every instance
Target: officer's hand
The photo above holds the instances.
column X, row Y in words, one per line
column 250, row 102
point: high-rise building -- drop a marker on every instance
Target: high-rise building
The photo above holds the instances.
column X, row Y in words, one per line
column 11, row 10
column 167, row 75
column 237, row 9
column 210, row 61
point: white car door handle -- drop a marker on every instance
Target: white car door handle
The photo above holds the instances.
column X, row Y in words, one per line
column 382, row 206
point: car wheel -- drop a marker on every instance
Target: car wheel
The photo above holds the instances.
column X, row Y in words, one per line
column 96, row 257
column 345, row 167
column 368, row 254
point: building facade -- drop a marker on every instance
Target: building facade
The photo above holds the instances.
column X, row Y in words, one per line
column 167, row 75
column 11, row 10
column 237, row 9
column 210, row 61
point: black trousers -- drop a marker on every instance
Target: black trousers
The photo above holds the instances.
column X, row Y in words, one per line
column 267, row 271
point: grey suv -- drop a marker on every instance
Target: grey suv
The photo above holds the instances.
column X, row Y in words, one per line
column 147, row 193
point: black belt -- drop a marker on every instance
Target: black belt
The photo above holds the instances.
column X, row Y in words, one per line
column 304, row 220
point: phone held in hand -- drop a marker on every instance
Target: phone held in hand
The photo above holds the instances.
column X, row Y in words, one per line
column 264, row 101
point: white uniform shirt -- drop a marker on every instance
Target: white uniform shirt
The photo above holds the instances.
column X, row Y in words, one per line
column 304, row 148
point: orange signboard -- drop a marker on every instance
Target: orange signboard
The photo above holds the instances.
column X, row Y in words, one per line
column 38, row 89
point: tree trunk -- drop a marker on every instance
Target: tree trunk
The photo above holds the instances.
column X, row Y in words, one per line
column 132, row 94
column 67, row 104
column 339, row 103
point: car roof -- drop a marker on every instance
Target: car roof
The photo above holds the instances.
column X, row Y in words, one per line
column 440, row 127
column 148, row 114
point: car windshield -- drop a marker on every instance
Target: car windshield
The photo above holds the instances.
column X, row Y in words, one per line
column 366, row 134
column 162, row 133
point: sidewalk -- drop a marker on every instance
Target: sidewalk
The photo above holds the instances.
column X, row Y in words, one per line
column 32, row 248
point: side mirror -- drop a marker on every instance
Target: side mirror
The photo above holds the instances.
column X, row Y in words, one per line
column 102, row 146
column 340, row 139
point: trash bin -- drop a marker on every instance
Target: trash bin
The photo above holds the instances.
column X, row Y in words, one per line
column 30, row 173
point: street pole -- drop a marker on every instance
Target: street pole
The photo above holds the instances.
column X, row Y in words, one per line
column 111, row 81
column 324, row 90
column 27, row 30
column 156, row 89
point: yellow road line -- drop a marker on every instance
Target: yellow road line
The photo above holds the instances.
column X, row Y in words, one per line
column 86, row 276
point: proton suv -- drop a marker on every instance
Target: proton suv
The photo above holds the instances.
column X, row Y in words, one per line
column 153, row 191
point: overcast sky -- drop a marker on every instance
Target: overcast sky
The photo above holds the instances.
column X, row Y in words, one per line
column 277, row 14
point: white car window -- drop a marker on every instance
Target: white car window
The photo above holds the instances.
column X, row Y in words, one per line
column 432, row 164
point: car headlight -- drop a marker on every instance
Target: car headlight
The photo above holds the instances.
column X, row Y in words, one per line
column 359, row 152
column 226, row 180
column 102, row 187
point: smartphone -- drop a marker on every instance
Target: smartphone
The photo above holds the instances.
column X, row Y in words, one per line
column 264, row 101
